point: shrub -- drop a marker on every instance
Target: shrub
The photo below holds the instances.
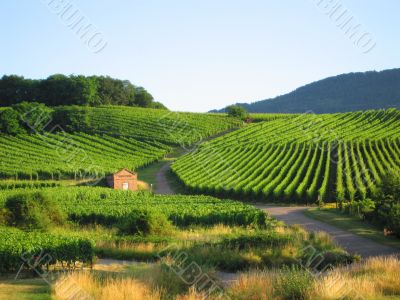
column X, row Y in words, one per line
column 256, row 240
column 389, row 188
column 9, row 122
column 37, row 249
column 33, row 116
column 237, row 111
column 33, row 211
column 4, row 216
column 145, row 222
column 393, row 219
column 294, row 283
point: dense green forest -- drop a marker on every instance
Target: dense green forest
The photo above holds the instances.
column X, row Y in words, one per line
column 342, row 93
column 59, row 89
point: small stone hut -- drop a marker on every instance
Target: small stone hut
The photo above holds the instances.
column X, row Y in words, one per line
column 123, row 180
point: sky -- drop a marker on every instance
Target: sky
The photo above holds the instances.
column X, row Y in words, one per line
column 200, row 55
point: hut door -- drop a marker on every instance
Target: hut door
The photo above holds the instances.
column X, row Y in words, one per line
column 125, row 186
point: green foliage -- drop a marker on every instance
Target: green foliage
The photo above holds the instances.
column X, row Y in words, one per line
column 59, row 89
column 261, row 239
column 73, row 156
column 237, row 112
column 389, row 188
column 393, row 220
column 10, row 122
column 25, row 184
column 33, row 116
column 301, row 158
column 77, row 121
column 293, row 283
column 39, row 249
column 145, row 222
column 33, row 211
column 105, row 206
column 171, row 128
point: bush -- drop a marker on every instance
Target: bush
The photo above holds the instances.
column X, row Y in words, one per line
column 256, row 240
column 237, row 111
column 294, row 283
column 389, row 188
column 33, row 116
column 145, row 222
column 4, row 216
column 393, row 220
column 9, row 122
column 37, row 249
column 33, row 211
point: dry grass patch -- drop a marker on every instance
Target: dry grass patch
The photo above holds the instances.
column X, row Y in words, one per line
column 86, row 284
column 375, row 278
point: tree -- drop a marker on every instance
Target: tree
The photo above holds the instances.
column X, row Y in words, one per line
column 58, row 90
column 33, row 116
column 389, row 188
column 9, row 122
column 143, row 98
column 15, row 89
column 237, row 112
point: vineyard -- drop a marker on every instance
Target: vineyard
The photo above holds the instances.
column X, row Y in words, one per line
column 75, row 156
column 105, row 206
column 101, row 140
column 28, row 249
column 172, row 128
column 301, row 158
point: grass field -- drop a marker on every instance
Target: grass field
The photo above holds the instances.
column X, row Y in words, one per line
column 24, row 289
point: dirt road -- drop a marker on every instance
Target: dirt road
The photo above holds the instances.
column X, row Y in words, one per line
column 349, row 241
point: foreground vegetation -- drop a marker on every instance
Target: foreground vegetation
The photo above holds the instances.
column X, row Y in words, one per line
column 158, row 281
column 376, row 278
column 71, row 224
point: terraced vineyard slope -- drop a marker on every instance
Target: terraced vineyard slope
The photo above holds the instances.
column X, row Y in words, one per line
column 302, row 158
column 167, row 127
column 102, row 140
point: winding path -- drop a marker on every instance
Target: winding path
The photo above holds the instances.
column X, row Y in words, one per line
column 353, row 243
column 162, row 184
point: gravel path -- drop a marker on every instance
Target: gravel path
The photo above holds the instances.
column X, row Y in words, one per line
column 349, row 241
column 162, row 185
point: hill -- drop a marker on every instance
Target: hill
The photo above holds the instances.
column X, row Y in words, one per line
column 342, row 93
column 332, row 156
column 76, row 142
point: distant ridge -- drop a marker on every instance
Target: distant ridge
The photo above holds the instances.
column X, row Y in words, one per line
column 342, row 93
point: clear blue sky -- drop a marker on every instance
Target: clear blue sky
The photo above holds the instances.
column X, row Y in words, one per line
column 199, row 55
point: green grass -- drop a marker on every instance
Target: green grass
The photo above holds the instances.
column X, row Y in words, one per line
column 148, row 174
column 21, row 289
column 352, row 224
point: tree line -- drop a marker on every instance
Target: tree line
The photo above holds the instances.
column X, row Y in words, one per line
column 60, row 89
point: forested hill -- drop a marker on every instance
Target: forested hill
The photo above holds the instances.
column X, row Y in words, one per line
column 342, row 93
column 59, row 89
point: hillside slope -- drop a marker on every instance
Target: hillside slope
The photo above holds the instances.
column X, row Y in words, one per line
column 99, row 141
column 342, row 93
column 330, row 156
